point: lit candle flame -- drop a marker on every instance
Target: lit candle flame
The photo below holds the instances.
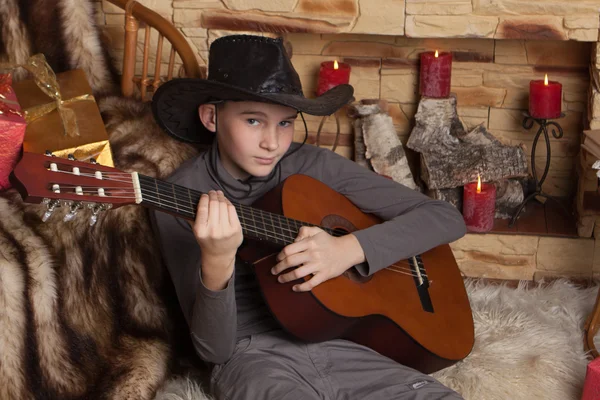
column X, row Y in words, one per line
column 478, row 184
column 335, row 64
column 436, row 54
column 546, row 80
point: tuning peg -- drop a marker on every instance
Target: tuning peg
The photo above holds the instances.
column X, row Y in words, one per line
column 50, row 207
column 49, row 153
column 71, row 157
column 96, row 209
column 93, row 161
column 75, row 207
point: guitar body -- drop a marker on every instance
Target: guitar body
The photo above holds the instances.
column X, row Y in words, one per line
column 385, row 311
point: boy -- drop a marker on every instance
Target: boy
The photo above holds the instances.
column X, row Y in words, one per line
column 246, row 110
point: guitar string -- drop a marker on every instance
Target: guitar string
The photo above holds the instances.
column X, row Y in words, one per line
column 173, row 188
column 187, row 209
column 92, row 190
column 190, row 207
column 265, row 233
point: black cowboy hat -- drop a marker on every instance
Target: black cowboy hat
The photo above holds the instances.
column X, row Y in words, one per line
column 242, row 68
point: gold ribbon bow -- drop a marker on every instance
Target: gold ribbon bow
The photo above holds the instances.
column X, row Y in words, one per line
column 45, row 79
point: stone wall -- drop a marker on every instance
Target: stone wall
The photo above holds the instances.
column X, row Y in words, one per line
column 498, row 47
column 490, row 76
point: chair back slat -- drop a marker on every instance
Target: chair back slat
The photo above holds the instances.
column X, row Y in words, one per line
column 157, row 63
column 144, row 80
column 136, row 16
column 131, row 34
column 171, row 64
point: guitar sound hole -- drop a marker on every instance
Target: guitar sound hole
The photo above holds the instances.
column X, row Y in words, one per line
column 341, row 226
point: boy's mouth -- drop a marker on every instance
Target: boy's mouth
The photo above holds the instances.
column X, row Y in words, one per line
column 265, row 161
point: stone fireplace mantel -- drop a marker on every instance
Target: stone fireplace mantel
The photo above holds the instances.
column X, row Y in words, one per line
column 498, row 46
column 491, row 19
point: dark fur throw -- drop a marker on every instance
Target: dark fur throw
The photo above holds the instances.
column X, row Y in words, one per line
column 85, row 312
column 64, row 31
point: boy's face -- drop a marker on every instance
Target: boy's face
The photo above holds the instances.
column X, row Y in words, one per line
column 252, row 136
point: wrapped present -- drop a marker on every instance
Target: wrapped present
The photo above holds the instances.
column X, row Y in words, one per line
column 12, row 129
column 62, row 115
column 591, row 386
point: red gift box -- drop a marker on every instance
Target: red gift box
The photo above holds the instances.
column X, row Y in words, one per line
column 591, row 387
column 12, row 129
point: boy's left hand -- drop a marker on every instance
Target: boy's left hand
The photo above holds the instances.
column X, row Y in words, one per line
column 319, row 254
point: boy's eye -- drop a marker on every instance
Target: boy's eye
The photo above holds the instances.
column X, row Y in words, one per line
column 252, row 121
column 285, row 124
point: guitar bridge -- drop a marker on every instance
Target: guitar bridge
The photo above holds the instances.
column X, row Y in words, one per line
column 421, row 282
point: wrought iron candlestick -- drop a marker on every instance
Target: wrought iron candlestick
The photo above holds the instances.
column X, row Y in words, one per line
column 337, row 134
column 557, row 132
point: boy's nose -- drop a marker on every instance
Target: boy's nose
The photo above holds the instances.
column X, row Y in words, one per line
column 269, row 140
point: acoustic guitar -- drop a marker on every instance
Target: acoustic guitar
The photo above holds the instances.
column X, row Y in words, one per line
column 416, row 311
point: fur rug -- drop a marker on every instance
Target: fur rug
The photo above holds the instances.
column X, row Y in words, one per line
column 85, row 311
column 65, row 31
column 529, row 345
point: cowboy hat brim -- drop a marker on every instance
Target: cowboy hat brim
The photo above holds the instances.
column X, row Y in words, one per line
column 175, row 104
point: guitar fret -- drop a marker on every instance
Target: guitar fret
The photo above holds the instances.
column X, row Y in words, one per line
column 157, row 192
column 192, row 205
column 283, row 234
column 287, row 221
column 254, row 222
column 241, row 218
column 175, row 198
column 279, row 236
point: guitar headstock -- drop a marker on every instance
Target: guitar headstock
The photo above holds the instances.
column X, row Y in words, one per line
column 56, row 182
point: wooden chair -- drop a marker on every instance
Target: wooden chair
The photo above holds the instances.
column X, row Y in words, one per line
column 134, row 14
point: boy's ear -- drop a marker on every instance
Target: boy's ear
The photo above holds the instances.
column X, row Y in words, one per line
column 208, row 116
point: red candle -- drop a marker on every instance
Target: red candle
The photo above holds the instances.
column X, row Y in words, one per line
column 436, row 71
column 479, row 206
column 545, row 99
column 332, row 74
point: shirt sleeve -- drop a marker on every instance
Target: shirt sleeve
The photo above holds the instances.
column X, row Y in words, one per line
column 414, row 223
column 211, row 315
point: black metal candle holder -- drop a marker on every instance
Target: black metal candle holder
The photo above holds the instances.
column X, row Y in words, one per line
column 557, row 132
column 337, row 134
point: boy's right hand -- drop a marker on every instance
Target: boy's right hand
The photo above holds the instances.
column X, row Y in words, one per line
column 217, row 227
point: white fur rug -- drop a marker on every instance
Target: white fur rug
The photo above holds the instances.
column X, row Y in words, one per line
column 529, row 345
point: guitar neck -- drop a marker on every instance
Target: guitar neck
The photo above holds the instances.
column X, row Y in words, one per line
column 256, row 224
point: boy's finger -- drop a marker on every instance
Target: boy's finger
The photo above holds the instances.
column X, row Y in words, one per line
column 223, row 208
column 213, row 208
column 202, row 216
column 317, row 279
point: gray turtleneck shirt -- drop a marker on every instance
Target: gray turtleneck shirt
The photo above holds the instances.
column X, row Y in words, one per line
column 414, row 223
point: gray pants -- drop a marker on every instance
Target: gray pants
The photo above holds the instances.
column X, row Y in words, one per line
column 273, row 366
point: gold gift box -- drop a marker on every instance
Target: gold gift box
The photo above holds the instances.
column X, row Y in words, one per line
column 47, row 132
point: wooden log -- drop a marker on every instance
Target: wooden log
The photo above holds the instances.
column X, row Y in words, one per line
column 453, row 196
column 383, row 148
column 452, row 157
column 509, row 195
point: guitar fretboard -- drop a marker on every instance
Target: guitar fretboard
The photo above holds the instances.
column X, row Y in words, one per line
column 256, row 223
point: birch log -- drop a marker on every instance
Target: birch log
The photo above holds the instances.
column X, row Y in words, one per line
column 382, row 147
column 452, row 157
